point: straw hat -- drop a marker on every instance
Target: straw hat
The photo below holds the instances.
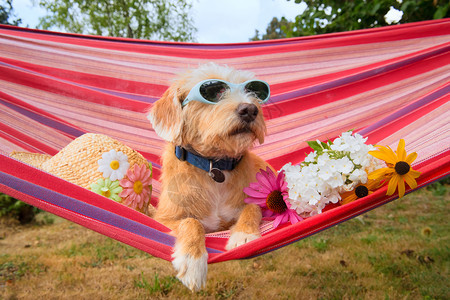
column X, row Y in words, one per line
column 103, row 165
column 34, row 159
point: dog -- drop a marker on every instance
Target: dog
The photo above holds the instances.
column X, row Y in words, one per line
column 210, row 116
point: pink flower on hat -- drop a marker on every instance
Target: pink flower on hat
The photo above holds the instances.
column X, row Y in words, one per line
column 137, row 187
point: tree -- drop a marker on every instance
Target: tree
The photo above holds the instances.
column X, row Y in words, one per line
column 338, row 15
column 141, row 19
column 274, row 30
column 7, row 12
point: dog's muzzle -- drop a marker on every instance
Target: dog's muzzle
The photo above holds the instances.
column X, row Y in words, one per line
column 247, row 112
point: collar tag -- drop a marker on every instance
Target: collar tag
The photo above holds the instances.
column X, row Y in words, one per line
column 215, row 173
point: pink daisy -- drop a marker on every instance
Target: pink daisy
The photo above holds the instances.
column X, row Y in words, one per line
column 136, row 186
column 271, row 193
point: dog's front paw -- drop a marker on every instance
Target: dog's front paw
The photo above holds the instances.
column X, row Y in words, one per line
column 191, row 271
column 240, row 238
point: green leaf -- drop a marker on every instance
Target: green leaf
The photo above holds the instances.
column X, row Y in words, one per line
column 325, row 145
column 375, row 8
column 440, row 12
column 405, row 5
column 315, row 146
column 318, row 146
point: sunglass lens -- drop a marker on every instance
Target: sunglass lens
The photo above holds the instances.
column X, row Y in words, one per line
column 259, row 89
column 213, row 90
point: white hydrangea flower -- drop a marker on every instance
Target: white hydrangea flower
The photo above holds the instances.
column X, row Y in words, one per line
column 345, row 165
column 333, row 197
column 334, row 167
column 358, row 175
column 338, row 145
column 113, row 164
column 310, row 169
column 311, row 196
column 323, row 160
column 325, row 172
column 310, row 158
column 336, row 181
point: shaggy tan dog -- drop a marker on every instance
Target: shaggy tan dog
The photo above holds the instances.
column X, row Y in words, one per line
column 217, row 132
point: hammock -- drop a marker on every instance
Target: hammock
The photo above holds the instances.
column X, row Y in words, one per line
column 385, row 83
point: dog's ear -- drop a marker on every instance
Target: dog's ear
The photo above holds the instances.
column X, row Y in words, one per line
column 166, row 116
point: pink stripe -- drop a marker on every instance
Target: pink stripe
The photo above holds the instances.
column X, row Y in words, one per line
column 405, row 31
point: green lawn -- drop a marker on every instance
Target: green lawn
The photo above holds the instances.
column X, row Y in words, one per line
column 398, row 251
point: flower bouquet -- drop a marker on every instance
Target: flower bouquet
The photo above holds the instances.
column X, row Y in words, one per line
column 331, row 169
column 336, row 172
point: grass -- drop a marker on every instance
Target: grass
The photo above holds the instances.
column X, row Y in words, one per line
column 158, row 286
column 398, row 251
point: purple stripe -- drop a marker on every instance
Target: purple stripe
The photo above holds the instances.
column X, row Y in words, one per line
column 155, row 165
column 161, row 44
column 402, row 112
column 120, row 94
column 380, row 202
column 88, row 210
column 104, row 91
column 356, row 77
column 360, row 212
column 43, row 120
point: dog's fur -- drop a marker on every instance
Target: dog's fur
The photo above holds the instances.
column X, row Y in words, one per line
column 191, row 202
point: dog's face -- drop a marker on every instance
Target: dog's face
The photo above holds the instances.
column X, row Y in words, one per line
column 225, row 129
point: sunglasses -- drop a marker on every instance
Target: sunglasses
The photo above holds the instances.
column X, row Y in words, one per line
column 211, row 91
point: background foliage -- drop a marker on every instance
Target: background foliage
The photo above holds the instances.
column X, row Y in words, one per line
column 10, row 207
column 7, row 15
column 141, row 19
column 337, row 15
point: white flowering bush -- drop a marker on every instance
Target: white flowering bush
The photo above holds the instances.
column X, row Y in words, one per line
column 393, row 16
column 332, row 168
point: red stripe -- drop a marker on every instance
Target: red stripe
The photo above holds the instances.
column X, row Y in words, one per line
column 374, row 136
column 52, row 85
column 387, row 129
column 435, row 168
column 48, row 181
column 288, row 86
column 18, row 143
column 94, row 80
column 26, row 142
column 198, row 51
column 302, row 103
column 22, row 104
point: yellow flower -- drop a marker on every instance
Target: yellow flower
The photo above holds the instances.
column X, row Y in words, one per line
column 398, row 168
column 360, row 191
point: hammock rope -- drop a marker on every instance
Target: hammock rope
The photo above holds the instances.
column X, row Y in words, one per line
column 385, row 83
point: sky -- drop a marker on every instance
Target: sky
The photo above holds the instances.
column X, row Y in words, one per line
column 217, row 21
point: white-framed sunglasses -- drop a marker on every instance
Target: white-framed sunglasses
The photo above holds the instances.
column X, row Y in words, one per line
column 210, row 91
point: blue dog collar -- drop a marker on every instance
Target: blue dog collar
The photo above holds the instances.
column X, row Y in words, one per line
column 214, row 167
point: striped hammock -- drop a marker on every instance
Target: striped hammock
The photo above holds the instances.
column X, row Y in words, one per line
column 385, row 83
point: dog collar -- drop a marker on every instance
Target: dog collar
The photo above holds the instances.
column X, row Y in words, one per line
column 214, row 167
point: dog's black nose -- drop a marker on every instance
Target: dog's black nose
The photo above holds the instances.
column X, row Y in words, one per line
column 247, row 112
